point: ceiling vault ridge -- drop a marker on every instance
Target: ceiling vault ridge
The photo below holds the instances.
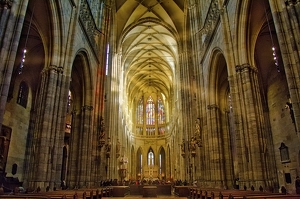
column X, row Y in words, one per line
column 145, row 20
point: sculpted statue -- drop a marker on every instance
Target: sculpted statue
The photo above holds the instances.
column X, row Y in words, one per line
column 197, row 137
column 182, row 146
column 102, row 128
column 193, row 144
column 197, row 126
column 108, row 148
column 101, row 133
column 118, row 147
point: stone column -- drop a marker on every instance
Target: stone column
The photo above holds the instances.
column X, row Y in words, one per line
column 5, row 6
column 214, row 142
column 72, row 178
column 58, row 125
column 252, row 135
column 85, row 147
column 47, row 136
column 286, row 21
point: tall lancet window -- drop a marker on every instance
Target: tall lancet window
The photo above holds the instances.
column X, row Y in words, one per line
column 150, row 112
column 151, row 158
column 161, row 112
column 139, row 112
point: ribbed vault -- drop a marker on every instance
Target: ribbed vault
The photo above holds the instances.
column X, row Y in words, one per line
column 149, row 43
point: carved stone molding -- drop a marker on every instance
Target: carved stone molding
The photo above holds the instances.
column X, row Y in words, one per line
column 87, row 107
column 101, row 132
column 291, row 2
column 210, row 25
column 212, row 106
column 108, row 147
column 6, row 3
column 243, row 67
column 50, row 68
column 89, row 25
column 197, row 133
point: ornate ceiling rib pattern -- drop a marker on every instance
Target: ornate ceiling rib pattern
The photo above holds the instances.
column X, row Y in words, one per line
column 149, row 44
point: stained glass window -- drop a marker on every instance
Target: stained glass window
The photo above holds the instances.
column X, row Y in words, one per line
column 161, row 130
column 150, row 116
column 139, row 130
column 150, row 130
column 150, row 158
column 150, row 112
column 161, row 112
column 140, row 110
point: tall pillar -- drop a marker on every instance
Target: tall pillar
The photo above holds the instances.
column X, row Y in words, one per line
column 214, row 142
column 5, row 5
column 85, row 147
column 286, row 21
column 251, row 129
column 48, row 133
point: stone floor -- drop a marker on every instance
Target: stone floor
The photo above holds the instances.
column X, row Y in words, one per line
column 141, row 197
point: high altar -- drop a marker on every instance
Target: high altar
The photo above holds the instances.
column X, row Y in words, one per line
column 151, row 172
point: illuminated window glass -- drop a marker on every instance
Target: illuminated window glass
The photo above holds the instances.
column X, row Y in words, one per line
column 107, row 60
column 150, row 158
column 161, row 130
column 69, row 102
column 150, row 112
column 139, row 130
column 140, row 110
column 160, row 161
column 161, row 112
column 150, row 130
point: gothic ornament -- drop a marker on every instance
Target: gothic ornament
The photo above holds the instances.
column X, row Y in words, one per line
column 197, row 135
column 118, row 146
column 193, row 146
column 183, row 148
column 6, row 3
column 108, row 148
column 101, row 132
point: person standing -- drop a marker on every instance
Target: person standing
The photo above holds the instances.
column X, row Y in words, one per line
column 297, row 185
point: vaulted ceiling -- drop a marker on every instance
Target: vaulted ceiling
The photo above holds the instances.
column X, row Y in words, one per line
column 148, row 31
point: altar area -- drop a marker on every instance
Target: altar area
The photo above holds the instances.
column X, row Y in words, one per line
column 151, row 173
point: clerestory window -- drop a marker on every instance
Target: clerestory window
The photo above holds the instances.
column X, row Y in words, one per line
column 150, row 116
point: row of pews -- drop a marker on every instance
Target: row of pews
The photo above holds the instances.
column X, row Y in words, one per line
column 63, row 194
column 197, row 193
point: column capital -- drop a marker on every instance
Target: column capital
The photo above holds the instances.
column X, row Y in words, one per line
column 6, row 3
column 60, row 69
column 245, row 67
column 212, row 106
column 87, row 107
column 51, row 68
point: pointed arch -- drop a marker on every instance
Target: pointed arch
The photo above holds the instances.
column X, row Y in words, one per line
column 133, row 159
column 162, row 162
column 139, row 163
column 150, row 157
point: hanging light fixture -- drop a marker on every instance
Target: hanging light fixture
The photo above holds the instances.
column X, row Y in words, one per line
column 24, row 50
column 273, row 46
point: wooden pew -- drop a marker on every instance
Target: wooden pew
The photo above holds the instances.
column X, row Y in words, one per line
column 182, row 191
column 62, row 194
column 197, row 193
